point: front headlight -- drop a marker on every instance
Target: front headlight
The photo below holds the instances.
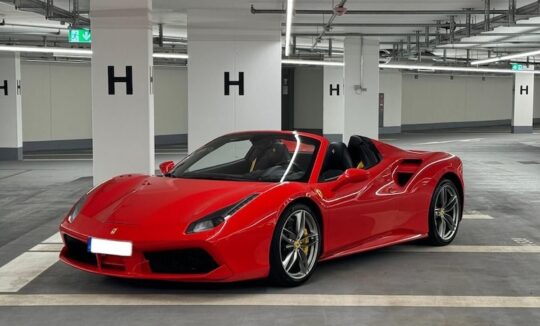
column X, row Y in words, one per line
column 76, row 209
column 216, row 218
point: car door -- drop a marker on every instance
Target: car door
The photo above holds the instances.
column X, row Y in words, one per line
column 359, row 213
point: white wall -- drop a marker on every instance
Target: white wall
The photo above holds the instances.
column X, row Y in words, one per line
column 170, row 100
column 390, row 83
column 308, row 98
column 436, row 99
column 56, row 101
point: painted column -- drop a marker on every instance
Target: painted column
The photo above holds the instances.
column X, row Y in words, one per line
column 333, row 106
column 390, row 99
column 361, row 75
column 522, row 113
column 10, row 107
column 234, row 73
column 122, row 96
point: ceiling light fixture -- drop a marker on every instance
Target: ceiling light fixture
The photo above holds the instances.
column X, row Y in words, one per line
column 506, row 57
column 76, row 52
column 35, row 49
column 288, row 27
column 448, row 68
column 312, row 62
column 170, row 55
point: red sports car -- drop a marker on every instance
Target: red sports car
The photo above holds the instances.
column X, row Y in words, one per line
column 264, row 204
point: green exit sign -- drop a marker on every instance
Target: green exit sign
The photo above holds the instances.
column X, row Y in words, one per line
column 79, row 35
column 517, row 66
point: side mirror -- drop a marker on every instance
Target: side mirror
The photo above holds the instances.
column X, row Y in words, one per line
column 351, row 176
column 166, row 167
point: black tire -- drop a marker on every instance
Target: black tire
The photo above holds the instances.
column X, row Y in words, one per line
column 278, row 275
column 435, row 218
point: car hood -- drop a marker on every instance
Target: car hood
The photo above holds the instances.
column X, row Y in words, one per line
column 145, row 200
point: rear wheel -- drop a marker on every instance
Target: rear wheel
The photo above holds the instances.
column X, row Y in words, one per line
column 444, row 213
column 295, row 246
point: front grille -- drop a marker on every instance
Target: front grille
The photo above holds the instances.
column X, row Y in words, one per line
column 77, row 250
column 184, row 261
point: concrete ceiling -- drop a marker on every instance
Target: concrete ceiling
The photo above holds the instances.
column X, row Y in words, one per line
column 172, row 14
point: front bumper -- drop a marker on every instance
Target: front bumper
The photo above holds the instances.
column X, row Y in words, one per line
column 143, row 264
column 159, row 252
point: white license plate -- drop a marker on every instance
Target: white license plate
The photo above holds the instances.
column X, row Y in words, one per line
column 110, row 247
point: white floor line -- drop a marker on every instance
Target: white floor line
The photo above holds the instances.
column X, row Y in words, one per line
column 477, row 217
column 51, row 247
column 56, row 159
column 23, row 269
column 287, row 300
column 468, row 249
column 55, row 238
column 451, row 141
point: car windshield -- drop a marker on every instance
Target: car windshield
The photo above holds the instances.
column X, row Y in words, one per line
column 269, row 157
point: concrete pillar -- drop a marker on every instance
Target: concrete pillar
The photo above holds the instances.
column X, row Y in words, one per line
column 122, row 95
column 361, row 71
column 522, row 113
column 234, row 73
column 390, row 85
column 333, row 106
column 10, row 107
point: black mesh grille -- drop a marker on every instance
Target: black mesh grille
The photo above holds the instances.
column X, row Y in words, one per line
column 77, row 250
column 185, row 261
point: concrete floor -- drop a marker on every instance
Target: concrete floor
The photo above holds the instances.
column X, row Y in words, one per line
column 405, row 285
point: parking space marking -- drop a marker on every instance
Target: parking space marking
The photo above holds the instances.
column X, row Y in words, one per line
column 23, row 269
column 50, row 247
column 477, row 217
column 469, row 249
column 287, row 300
column 451, row 141
column 523, row 241
column 55, row 238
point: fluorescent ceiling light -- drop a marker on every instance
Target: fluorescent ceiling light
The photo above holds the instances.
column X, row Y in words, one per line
column 35, row 49
column 312, row 62
column 290, row 9
column 171, row 55
column 506, row 57
column 76, row 52
column 447, row 68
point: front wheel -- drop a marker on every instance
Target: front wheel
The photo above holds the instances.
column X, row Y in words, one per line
column 295, row 246
column 444, row 213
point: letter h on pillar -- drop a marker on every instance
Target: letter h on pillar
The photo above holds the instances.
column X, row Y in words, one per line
column 334, row 89
column 239, row 83
column 128, row 79
column 5, row 87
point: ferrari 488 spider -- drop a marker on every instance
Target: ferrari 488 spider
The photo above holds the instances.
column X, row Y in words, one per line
column 263, row 204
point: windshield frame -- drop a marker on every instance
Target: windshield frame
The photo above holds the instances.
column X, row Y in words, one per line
column 179, row 171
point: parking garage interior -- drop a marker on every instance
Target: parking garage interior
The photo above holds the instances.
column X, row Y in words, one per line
column 90, row 89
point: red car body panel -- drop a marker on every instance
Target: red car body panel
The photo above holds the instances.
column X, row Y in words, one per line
column 154, row 213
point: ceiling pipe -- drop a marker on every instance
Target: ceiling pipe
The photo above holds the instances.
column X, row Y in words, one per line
column 378, row 25
column 511, row 12
column 379, row 12
column 328, row 25
column 48, row 10
column 407, row 34
column 486, row 15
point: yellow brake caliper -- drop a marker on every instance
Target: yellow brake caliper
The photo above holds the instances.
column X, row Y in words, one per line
column 305, row 242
